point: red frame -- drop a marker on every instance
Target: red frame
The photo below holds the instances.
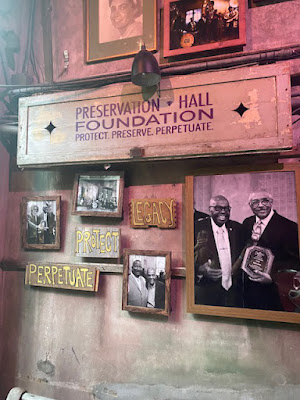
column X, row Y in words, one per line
column 241, row 40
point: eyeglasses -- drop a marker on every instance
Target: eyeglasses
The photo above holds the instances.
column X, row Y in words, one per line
column 255, row 203
column 220, row 208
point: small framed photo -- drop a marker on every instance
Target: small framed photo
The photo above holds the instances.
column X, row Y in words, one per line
column 118, row 29
column 98, row 194
column 40, row 222
column 242, row 236
column 146, row 281
column 193, row 26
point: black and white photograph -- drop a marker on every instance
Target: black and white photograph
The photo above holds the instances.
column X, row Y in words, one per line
column 120, row 19
column 98, row 194
column 118, row 28
column 245, row 250
column 40, row 222
column 146, row 281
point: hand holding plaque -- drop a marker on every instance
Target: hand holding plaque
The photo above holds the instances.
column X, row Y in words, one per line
column 257, row 263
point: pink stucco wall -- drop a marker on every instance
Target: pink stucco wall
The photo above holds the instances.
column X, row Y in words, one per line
column 64, row 344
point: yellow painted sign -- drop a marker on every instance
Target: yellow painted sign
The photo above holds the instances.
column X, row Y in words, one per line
column 95, row 241
column 64, row 276
column 153, row 212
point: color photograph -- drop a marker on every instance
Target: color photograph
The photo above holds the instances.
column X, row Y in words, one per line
column 193, row 26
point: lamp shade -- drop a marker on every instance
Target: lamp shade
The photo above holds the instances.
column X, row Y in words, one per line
column 145, row 69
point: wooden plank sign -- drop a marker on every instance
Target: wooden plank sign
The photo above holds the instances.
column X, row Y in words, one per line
column 153, row 212
column 62, row 276
column 97, row 242
column 240, row 110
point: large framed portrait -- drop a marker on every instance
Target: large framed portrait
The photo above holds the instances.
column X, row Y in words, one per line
column 98, row 194
column 243, row 244
column 118, row 28
column 146, row 281
column 192, row 26
column 40, row 222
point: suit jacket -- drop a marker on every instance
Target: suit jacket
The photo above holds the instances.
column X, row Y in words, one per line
column 136, row 296
column 48, row 236
column 281, row 237
column 159, row 295
column 32, row 228
column 211, row 292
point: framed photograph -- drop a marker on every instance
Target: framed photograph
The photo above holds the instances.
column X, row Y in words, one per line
column 117, row 28
column 40, row 222
column 98, row 194
column 242, row 241
column 192, row 26
column 146, row 281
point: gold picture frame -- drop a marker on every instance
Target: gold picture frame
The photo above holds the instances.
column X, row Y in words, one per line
column 107, row 37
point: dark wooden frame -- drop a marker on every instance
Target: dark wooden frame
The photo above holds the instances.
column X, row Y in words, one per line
column 151, row 253
column 192, row 307
column 24, row 229
column 95, row 212
column 96, row 51
column 168, row 51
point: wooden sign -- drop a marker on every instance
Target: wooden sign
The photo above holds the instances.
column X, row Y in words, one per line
column 62, row 276
column 225, row 112
column 153, row 212
column 99, row 242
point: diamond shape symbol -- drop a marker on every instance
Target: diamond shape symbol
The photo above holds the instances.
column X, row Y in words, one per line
column 241, row 109
column 169, row 103
column 50, row 127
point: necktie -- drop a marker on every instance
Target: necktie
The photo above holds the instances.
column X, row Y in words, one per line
column 256, row 232
column 225, row 259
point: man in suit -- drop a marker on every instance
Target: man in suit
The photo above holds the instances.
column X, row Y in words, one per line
column 218, row 244
column 47, row 224
column 156, row 290
column 33, row 221
column 266, row 228
column 137, row 290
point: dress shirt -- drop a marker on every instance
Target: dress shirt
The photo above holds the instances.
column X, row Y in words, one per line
column 264, row 222
column 223, row 248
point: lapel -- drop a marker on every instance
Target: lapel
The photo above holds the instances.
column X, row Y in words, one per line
column 211, row 241
column 232, row 241
column 135, row 282
column 270, row 229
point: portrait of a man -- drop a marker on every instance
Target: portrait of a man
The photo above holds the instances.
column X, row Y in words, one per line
column 120, row 19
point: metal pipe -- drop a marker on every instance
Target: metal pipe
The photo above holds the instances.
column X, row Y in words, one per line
column 183, row 67
column 21, row 394
column 8, row 129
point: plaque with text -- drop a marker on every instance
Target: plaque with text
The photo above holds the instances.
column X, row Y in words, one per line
column 257, row 258
column 153, row 212
column 62, row 276
column 225, row 112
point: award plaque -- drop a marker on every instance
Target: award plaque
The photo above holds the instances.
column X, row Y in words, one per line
column 257, row 258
